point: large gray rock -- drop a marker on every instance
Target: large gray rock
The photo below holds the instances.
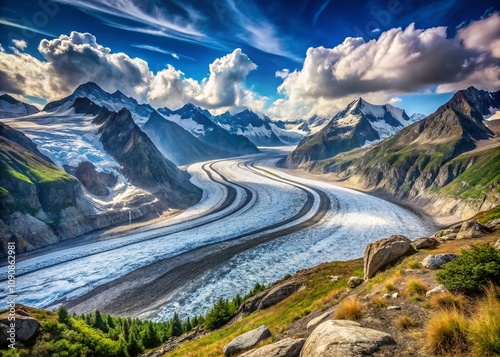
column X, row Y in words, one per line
column 246, row 341
column 287, row 347
column 279, row 293
column 321, row 318
column 341, row 338
column 434, row 261
column 425, row 243
column 437, row 290
column 384, row 252
column 26, row 326
column 354, row 281
column 472, row 229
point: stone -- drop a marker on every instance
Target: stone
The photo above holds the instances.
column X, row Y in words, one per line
column 434, row 261
column 447, row 237
column 497, row 245
column 425, row 243
column 384, row 252
column 246, row 341
column 354, row 281
column 317, row 320
column 395, row 295
column 387, row 296
column 472, row 229
column 288, row 347
column 279, row 293
column 334, row 278
column 26, row 326
column 341, row 338
column 493, row 224
column 437, row 290
column 394, row 307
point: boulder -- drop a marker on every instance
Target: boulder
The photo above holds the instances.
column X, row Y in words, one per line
column 354, row 281
column 246, row 341
column 434, row 261
column 287, row 347
column 394, row 307
column 384, row 252
column 26, row 326
column 437, row 290
column 341, row 338
column 279, row 293
column 321, row 318
column 425, row 243
column 472, row 229
column 497, row 245
column 493, row 224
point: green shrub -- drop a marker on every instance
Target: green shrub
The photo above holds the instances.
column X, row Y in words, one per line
column 470, row 272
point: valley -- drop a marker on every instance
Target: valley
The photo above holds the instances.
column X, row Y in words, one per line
column 254, row 223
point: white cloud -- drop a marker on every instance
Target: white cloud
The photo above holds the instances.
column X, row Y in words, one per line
column 175, row 55
column 399, row 61
column 283, row 73
column 395, row 100
column 20, row 44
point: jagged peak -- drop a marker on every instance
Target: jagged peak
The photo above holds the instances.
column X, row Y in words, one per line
column 9, row 99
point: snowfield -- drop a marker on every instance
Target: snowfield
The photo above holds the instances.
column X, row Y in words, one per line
column 264, row 196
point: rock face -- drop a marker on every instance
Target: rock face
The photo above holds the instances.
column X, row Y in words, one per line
column 497, row 245
column 97, row 183
column 340, row 338
column 354, row 281
column 287, row 347
column 246, row 341
column 26, row 325
column 472, row 229
column 384, row 252
column 13, row 108
column 434, row 261
column 425, row 243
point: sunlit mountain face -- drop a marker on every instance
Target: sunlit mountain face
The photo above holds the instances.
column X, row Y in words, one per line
column 284, row 60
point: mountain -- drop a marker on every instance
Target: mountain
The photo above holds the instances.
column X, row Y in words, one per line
column 177, row 144
column 194, row 120
column 360, row 124
column 13, row 108
column 449, row 161
column 114, row 102
column 123, row 175
column 417, row 117
column 247, row 123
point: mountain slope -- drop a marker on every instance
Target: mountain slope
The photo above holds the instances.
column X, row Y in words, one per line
column 198, row 124
column 13, row 108
column 250, row 125
column 448, row 161
column 176, row 143
column 114, row 102
column 359, row 124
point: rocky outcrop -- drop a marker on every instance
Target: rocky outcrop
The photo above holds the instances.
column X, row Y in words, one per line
column 25, row 328
column 97, row 183
column 269, row 297
column 13, row 108
column 288, row 347
column 384, row 252
column 340, row 338
column 472, row 229
column 246, row 341
column 497, row 245
column 435, row 261
column 425, row 243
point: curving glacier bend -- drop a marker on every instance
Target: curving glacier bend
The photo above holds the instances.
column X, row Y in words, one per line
column 243, row 199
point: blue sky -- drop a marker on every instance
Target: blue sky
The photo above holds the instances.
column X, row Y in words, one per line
column 185, row 51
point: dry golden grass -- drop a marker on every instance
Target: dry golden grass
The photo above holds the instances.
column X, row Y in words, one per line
column 416, row 287
column 349, row 309
column 405, row 322
column 378, row 302
column 485, row 326
column 446, row 334
column 448, row 301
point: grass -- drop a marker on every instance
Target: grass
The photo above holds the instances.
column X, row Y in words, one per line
column 485, row 327
column 278, row 318
column 446, row 334
column 349, row 309
column 405, row 322
column 488, row 216
column 448, row 301
column 415, row 265
column 378, row 302
column 416, row 287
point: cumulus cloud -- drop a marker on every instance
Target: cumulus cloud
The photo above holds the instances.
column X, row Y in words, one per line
column 20, row 44
column 399, row 61
column 79, row 58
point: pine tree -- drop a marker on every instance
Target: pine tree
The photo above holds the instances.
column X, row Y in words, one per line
column 134, row 346
column 99, row 322
column 176, row 325
column 63, row 316
column 111, row 323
